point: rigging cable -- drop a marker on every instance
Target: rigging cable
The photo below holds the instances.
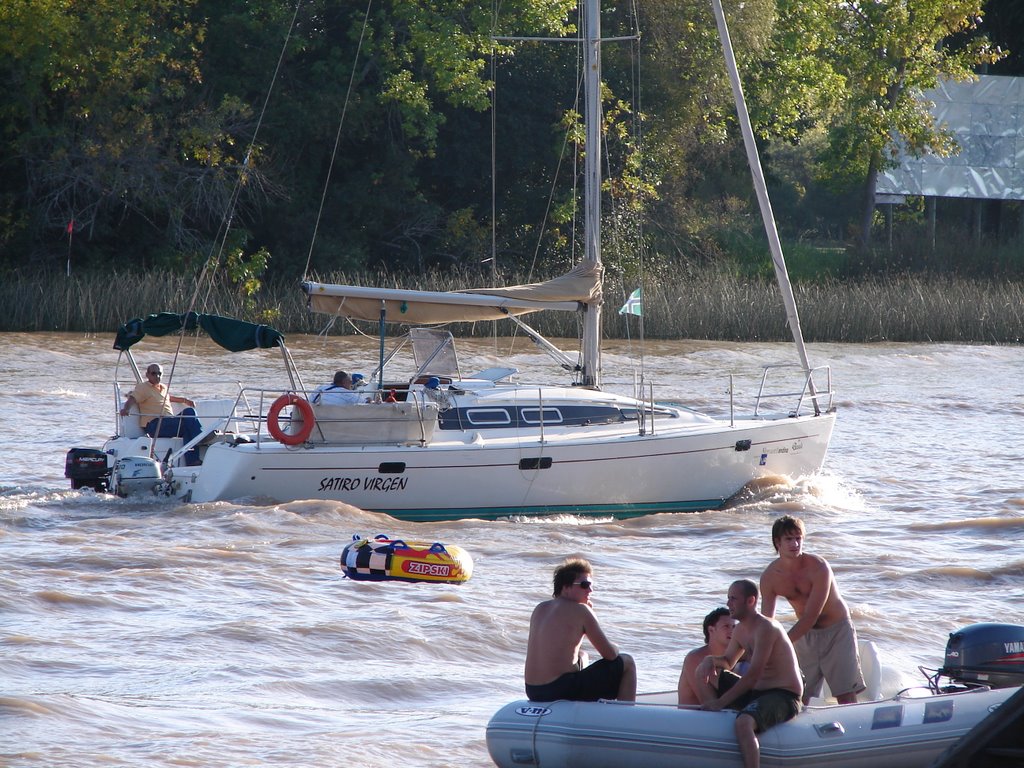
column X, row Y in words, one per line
column 337, row 138
column 244, row 173
column 217, row 249
column 637, row 125
column 494, row 163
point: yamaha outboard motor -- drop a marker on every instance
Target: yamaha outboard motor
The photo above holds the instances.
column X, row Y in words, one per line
column 986, row 654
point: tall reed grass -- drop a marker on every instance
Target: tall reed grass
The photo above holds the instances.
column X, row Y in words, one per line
column 696, row 304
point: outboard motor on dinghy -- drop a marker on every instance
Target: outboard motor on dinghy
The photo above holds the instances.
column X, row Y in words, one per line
column 986, row 654
column 136, row 476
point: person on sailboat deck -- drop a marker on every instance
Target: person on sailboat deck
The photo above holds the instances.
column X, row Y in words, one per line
column 156, row 416
column 769, row 693
column 338, row 392
column 554, row 658
column 718, row 627
column 824, row 636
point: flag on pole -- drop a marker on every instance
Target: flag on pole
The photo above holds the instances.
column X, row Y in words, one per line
column 634, row 304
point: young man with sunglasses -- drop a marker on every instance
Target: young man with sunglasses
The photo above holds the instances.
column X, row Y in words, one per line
column 156, row 416
column 554, row 657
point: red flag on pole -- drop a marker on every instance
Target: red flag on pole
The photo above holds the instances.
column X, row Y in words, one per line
column 71, row 226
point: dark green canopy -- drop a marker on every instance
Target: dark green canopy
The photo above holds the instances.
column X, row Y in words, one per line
column 233, row 335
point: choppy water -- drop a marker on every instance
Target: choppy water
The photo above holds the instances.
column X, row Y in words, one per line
column 147, row 634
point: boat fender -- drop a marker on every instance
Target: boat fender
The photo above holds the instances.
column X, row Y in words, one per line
column 308, row 419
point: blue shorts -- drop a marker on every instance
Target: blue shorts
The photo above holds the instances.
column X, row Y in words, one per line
column 598, row 681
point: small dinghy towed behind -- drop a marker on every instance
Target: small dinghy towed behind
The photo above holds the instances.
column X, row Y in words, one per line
column 909, row 730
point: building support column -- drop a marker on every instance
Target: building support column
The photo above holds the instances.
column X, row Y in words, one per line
column 930, row 203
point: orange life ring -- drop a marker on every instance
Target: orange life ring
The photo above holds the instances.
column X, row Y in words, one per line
column 308, row 420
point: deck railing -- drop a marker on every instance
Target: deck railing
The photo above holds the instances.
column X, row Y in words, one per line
column 820, row 399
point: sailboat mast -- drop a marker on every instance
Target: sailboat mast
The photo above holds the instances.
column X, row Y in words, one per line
column 754, row 160
column 591, row 376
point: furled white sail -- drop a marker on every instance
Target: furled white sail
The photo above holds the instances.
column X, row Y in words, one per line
column 581, row 285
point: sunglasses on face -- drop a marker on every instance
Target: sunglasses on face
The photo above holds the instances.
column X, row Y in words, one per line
column 155, row 373
column 586, row 584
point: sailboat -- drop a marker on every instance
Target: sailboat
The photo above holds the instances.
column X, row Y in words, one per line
column 446, row 444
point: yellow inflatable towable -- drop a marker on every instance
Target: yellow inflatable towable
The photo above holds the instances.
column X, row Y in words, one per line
column 385, row 559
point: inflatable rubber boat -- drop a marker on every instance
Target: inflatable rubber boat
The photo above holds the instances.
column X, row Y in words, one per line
column 385, row 559
column 909, row 730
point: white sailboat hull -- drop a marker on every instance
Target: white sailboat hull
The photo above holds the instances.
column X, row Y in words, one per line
column 892, row 733
column 438, row 445
column 600, row 470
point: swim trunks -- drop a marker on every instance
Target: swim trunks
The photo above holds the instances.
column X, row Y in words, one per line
column 598, row 681
column 830, row 655
column 726, row 680
column 768, row 707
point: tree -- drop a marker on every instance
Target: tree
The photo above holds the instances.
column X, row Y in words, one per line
column 409, row 187
column 104, row 129
column 135, row 119
column 1005, row 22
column 890, row 52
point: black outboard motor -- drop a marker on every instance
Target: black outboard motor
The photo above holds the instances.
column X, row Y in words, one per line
column 87, row 468
column 986, row 654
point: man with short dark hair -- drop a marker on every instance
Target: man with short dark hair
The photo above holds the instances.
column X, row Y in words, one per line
column 554, row 659
column 769, row 692
column 718, row 627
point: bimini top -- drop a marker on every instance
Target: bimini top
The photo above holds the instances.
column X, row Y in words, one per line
column 581, row 285
column 234, row 335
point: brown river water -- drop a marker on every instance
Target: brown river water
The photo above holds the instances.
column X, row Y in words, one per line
column 147, row 633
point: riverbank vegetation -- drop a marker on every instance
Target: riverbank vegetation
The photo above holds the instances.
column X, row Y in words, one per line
column 207, row 154
column 695, row 303
column 143, row 136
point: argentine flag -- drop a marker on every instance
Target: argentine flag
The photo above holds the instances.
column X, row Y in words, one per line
column 634, row 304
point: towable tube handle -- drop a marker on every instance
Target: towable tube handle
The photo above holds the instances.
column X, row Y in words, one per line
column 436, row 548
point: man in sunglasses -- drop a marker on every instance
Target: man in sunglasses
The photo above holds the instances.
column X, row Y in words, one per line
column 156, row 416
column 554, row 658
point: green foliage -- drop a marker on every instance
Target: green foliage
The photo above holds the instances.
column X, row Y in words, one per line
column 791, row 82
column 890, row 52
column 144, row 122
column 107, row 121
column 244, row 271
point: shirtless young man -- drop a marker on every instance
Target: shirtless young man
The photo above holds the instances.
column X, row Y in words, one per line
column 824, row 637
column 769, row 692
column 554, row 661
column 718, row 627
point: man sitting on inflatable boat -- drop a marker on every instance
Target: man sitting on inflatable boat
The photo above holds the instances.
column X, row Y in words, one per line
column 554, row 658
column 769, row 691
